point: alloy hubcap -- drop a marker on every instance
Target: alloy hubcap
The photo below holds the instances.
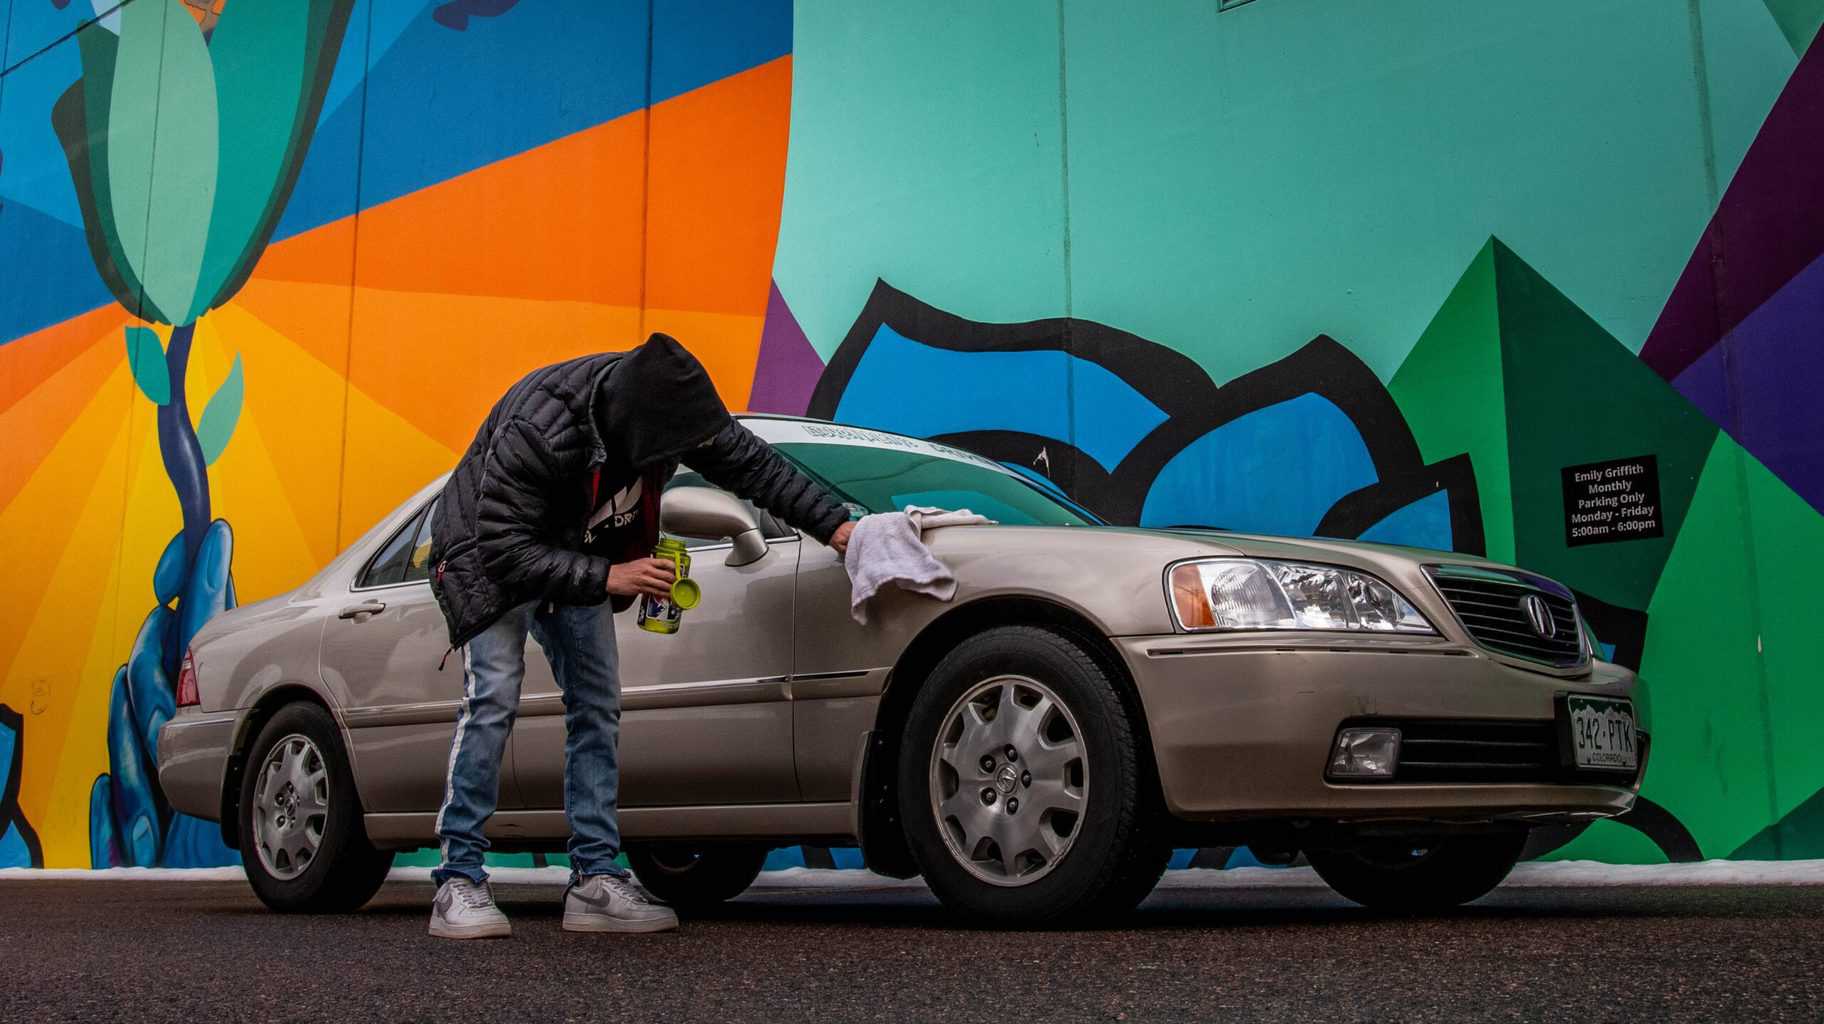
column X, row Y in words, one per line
column 1009, row 778
column 290, row 807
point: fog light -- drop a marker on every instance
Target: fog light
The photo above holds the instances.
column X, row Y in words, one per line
column 1365, row 754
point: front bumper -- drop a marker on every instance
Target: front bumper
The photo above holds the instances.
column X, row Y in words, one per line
column 193, row 761
column 1242, row 726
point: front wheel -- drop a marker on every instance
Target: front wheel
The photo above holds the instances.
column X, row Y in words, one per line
column 302, row 838
column 1022, row 786
column 1419, row 875
column 696, row 876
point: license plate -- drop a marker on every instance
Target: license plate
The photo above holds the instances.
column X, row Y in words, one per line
column 1602, row 733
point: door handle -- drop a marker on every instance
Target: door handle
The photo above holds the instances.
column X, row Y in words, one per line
column 363, row 611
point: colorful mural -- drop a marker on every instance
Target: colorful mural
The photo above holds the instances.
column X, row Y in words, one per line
column 1391, row 271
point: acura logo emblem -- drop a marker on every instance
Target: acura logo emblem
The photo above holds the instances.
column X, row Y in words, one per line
column 1539, row 616
column 1007, row 778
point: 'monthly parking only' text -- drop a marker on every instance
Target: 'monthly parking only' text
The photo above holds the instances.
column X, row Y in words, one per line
column 1612, row 501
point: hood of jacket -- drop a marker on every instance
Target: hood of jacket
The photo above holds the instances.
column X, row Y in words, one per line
column 656, row 403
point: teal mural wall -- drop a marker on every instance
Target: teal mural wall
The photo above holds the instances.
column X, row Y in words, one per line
column 1230, row 182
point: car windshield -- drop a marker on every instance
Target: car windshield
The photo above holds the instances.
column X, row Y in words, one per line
column 889, row 479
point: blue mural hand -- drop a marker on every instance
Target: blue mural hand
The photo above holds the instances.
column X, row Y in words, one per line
column 209, row 590
column 104, row 848
column 134, row 803
column 129, row 822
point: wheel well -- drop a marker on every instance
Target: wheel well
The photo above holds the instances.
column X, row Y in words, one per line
column 251, row 724
column 883, row 839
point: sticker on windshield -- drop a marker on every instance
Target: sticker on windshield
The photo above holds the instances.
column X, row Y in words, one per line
column 832, row 433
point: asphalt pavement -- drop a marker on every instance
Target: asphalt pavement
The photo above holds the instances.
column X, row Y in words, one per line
column 147, row 951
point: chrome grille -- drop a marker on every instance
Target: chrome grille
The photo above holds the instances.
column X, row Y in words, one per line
column 1491, row 607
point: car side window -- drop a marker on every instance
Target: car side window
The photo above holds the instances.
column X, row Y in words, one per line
column 389, row 565
column 418, row 562
column 770, row 527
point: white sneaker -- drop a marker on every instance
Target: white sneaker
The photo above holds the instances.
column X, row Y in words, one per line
column 609, row 903
column 466, row 910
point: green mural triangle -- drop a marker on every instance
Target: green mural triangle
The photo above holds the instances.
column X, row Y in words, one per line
column 1449, row 389
column 1798, row 20
column 1797, row 836
column 1788, row 550
column 1708, row 765
column 1574, row 395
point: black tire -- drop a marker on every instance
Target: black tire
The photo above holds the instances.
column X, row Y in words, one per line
column 696, row 876
column 1113, row 857
column 1420, row 876
column 345, row 871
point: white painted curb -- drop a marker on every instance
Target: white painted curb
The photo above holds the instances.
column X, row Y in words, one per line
column 1551, row 874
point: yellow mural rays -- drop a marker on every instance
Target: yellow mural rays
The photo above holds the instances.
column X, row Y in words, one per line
column 63, row 529
column 35, row 420
column 152, row 517
column 287, row 448
column 388, row 459
column 273, row 549
column 283, row 516
column 62, row 815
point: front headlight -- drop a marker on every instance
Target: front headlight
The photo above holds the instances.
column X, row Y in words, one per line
column 1252, row 593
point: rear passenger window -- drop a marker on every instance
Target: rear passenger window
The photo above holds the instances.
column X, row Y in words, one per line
column 403, row 558
column 418, row 563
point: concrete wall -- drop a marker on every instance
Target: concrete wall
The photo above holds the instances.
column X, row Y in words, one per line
column 1383, row 270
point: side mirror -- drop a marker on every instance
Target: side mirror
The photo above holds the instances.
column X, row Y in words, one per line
column 708, row 514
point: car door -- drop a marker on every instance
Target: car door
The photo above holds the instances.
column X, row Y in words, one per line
column 384, row 648
column 705, row 715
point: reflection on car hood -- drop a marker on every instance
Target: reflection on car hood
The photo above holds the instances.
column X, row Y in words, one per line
column 1155, row 546
column 1320, row 548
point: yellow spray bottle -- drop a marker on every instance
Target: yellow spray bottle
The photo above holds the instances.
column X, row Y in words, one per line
column 665, row 614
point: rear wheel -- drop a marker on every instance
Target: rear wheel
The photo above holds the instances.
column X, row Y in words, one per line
column 696, row 876
column 1021, row 786
column 302, row 839
column 1415, row 876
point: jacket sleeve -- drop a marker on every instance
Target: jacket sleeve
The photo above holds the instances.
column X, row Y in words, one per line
column 516, row 482
column 735, row 460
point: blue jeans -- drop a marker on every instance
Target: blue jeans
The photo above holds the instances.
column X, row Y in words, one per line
column 579, row 643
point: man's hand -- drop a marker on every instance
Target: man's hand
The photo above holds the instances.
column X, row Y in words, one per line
column 649, row 576
column 840, row 539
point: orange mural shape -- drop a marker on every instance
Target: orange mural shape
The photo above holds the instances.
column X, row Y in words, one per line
column 536, row 258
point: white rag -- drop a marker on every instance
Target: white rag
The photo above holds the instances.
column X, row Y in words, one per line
column 889, row 548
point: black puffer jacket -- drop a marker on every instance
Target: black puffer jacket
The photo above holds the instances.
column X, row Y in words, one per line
column 510, row 526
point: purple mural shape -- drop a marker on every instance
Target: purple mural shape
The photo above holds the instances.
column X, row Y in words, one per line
column 787, row 370
column 1760, row 383
column 1739, row 334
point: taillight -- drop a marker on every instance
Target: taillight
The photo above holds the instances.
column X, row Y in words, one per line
column 187, row 695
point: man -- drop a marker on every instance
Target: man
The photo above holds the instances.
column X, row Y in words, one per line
column 552, row 511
